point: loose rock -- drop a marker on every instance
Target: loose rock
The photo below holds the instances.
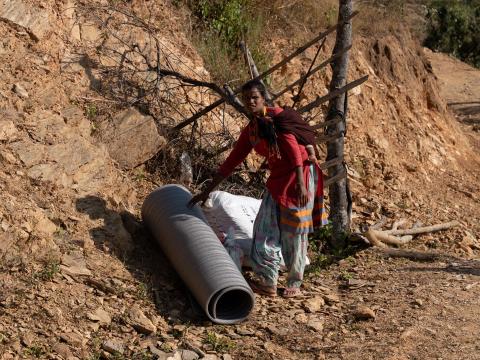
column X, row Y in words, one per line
column 363, row 313
column 314, row 304
column 20, row 91
column 189, row 355
column 101, row 316
column 113, row 347
column 315, row 324
column 140, row 322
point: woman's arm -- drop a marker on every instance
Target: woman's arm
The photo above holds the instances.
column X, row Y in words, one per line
column 238, row 154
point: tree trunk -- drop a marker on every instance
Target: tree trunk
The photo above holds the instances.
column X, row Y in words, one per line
column 339, row 216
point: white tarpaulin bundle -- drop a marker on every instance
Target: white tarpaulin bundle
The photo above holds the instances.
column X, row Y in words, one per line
column 231, row 218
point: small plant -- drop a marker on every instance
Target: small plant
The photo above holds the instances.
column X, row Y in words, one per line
column 142, row 291
column 35, row 351
column 51, row 268
column 345, row 275
column 143, row 355
column 166, row 347
column 91, row 111
column 218, row 343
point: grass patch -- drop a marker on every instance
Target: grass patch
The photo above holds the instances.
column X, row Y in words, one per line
column 322, row 254
column 218, row 343
column 34, row 351
column 50, row 269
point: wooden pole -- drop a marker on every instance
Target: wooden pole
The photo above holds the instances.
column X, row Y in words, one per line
column 254, row 70
column 338, row 190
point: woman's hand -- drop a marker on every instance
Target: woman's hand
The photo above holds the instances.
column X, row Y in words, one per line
column 202, row 197
column 302, row 195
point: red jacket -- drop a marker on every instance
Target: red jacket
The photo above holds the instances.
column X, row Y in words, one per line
column 281, row 183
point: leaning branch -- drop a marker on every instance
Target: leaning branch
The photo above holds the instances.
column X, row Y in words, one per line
column 313, row 71
column 267, row 72
column 332, row 94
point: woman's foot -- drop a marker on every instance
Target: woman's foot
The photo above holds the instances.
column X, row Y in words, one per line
column 290, row 292
column 263, row 289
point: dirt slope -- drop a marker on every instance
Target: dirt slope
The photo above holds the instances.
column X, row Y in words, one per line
column 82, row 280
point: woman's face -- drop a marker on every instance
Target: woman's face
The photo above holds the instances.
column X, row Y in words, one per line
column 254, row 101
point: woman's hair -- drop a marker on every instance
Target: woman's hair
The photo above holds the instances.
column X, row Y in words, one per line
column 255, row 84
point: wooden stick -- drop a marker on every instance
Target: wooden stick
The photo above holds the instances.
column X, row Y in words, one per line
column 297, row 97
column 390, row 239
column 332, row 162
column 327, row 138
column 333, row 121
column 265, row 73
column 423, row 230
column 320, row 100
column 370, row 234
column 329, row 181
column 235, row 102
column 314, row 70
column 253, row 69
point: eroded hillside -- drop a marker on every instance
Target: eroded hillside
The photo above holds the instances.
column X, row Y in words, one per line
column 82, row 279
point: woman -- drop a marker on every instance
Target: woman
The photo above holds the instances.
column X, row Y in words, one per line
column 293, row 203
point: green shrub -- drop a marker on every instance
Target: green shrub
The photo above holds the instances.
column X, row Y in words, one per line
column 221, row 25
column 453, row 27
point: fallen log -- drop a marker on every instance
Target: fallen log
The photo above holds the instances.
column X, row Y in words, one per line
column 423, row 230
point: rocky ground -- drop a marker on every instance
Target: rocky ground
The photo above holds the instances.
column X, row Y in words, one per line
column 81, row 278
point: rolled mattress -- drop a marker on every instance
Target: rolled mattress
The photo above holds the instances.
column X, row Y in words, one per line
column 197, row 255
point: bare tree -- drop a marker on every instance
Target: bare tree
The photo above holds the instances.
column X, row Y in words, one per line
column 338, row 192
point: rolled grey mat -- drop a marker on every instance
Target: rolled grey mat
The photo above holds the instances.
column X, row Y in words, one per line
column 197, row 255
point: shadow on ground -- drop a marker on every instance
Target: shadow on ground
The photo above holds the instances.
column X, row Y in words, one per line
column 467, row 112
column 142, row 258
column 465, row 267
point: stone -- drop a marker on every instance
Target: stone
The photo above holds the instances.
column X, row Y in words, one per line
column 74, row 264
column 210, row 357
column 363, row 313
column 35, row 20
column 331, row 298
column 73, row 339
column 314, row 304
column 277, row 331
column 176, row 356
column 113, row 347
column 8, row 157
column 160, row 355
column 138, row 320
column 243, row 331
column 28, row 152
column 132, row 138
column 8, row 131
column 301, row 318
column 42, row 224
column 315, row 324
column 89, row 32
column 419, row 302
column 20, row 91
column 101, row 316
column 189, row 355
column 63, row 350
column 227, row 357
